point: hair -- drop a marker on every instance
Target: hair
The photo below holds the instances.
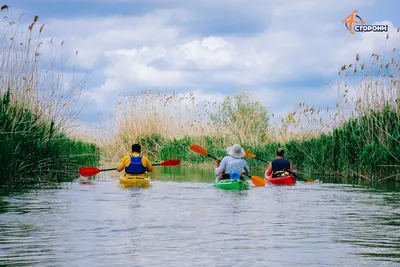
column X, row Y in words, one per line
column 136, row 148
column 280, row 152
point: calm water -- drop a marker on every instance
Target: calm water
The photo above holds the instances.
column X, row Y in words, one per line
column 183, row 220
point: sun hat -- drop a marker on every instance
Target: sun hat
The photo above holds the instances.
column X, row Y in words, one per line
column 235, row 151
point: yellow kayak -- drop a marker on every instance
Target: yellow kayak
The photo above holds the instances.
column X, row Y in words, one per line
column 129, row 179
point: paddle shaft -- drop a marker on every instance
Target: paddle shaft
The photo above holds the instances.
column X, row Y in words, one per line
column 298, row 177
column 212, row 156
column 113, row 169
column 262, row 160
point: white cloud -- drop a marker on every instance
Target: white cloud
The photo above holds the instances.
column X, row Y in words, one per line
column 207, row 53
column 366, row 44
column 163, row 48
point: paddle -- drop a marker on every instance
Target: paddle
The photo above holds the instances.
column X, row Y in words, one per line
column 252, row 156
column 256, row 180
column 90, row 171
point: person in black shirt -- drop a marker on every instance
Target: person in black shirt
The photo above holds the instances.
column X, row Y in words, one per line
column 279, row 164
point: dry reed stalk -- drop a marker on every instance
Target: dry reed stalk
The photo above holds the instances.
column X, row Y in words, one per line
column 151, row 112
column 41, row 89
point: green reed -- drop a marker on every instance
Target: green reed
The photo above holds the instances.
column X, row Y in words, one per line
column 34, row 152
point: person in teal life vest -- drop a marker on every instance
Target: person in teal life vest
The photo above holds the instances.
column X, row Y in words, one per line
column 135, row 163
column 279, row 165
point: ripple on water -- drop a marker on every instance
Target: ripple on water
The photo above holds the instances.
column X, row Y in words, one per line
column 196, row 224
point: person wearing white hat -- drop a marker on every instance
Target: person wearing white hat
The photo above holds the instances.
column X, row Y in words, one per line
column 234, row 162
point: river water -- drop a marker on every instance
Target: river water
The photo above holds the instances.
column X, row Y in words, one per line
column 183, row 220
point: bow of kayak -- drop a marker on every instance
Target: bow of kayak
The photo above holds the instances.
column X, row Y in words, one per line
column 229, row 184
column 133, row 180
column 285, row 180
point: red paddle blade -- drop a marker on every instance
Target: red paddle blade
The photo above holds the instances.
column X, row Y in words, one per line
column 198, row 149
column 89, row 171
column 171, row 162
column 248, row 154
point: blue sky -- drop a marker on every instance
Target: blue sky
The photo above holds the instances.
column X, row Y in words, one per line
column 282, row 52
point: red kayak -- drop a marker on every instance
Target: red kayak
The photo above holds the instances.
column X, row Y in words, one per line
column 285, row 180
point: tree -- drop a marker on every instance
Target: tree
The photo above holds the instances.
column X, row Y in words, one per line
column 246, row 119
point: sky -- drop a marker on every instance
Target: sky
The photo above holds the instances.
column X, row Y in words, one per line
column 280, row 51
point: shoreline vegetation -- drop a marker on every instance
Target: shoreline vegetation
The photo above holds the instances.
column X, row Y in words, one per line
column 36, row 110
column 359, row 138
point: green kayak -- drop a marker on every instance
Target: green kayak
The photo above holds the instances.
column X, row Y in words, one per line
column 229, row 184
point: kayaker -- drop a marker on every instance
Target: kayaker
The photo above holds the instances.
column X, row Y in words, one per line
column 279, row 164
column 135, row 163
column 233, row 162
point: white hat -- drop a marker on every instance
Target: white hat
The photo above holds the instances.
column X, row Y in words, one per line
column 236, row 151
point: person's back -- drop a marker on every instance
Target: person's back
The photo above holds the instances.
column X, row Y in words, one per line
column 234, row 162
column 231, row 164
column 135, row 163
column 279, row 164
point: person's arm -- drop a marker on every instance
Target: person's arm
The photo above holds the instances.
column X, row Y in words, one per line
column 220, row 166
column 291, row 167
column 147, row 164
column 122, row 164
column 269, row 169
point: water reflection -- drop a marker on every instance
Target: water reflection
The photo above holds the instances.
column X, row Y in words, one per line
column 182, row 219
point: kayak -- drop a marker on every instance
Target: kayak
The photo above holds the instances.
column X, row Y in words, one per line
column 229, row 184
column 285, row 180
column 129, row 179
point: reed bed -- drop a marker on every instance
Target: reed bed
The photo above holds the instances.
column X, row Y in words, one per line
column 36, row 110
column 357, row 138
column 360, row 137
column 151, row 118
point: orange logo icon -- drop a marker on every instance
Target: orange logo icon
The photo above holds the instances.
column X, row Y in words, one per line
column 353, row 19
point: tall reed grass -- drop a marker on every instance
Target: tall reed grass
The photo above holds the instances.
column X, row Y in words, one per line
column 152, row 117
column 36, row 107
column 359, row 137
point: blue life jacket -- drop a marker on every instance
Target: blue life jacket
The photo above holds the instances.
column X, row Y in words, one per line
column 136, row 166
column 280, row 164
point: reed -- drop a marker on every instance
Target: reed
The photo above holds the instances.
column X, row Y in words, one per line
column 36, row 110
column 359, row 137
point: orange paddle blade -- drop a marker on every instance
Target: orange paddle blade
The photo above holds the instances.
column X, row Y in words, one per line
column 89, row 171
column 198, row 149
column 248, row 154
column 258, row 181
column 170, row 162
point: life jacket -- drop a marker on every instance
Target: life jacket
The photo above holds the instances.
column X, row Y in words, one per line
column 136, row 166
column 280, row 164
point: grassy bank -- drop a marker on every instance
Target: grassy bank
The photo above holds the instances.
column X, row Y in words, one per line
column 364, row 144
column 36, row 108
column 359, row 138
column 367, row 147
column 35, row 152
